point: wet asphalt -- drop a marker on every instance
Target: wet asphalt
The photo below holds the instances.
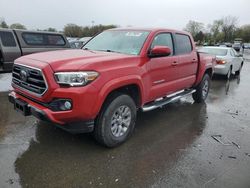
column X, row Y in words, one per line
column 171, row 147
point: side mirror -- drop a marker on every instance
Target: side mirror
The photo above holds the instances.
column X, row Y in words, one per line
column 159, row 51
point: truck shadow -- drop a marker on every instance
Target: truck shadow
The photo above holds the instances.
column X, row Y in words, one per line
column 161, row 137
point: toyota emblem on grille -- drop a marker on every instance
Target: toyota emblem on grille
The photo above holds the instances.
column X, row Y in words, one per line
column 24, row 75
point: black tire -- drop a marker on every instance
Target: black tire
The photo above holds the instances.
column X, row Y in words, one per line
column 202, row 89
column 237, row 73
column 228, row 75
column 104, row 122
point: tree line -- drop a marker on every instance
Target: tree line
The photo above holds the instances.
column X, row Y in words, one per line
column 70, row 30
column 222, row 30
column 3, row 24
column 73, row 30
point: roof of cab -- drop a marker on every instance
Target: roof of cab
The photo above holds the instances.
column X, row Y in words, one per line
column 150, row 30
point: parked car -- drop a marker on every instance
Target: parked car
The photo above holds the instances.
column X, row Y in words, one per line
column 237, row 47
column 246, row 45
column 228, row 61
column 85, row 39
column 70, row 39
column 76, row 44
column 222, row 45
column 79, row 43
column 100, row 87
column 228, row 44
column 16, row 43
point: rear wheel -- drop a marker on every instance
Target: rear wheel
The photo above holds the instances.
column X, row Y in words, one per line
column 228, row 75
column 202, row 89
column 238, row 71
column 116, row 121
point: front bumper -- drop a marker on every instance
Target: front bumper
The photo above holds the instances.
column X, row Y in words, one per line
column 28, row 107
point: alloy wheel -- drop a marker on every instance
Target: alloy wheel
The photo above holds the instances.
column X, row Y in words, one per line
column 120, row 121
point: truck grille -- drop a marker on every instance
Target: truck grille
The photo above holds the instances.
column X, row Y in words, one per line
column 29, row 79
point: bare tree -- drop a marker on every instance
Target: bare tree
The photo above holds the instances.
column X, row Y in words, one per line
column 229, row 26
column 215, row 30
column 194, row 27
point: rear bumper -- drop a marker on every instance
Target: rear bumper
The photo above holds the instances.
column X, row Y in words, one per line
column 221, row 69
column 45, row 114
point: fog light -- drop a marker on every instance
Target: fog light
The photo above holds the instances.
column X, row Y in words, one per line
column 60, row 105
column 67, row 105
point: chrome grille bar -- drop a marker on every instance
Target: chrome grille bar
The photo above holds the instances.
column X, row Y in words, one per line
column 29, row 79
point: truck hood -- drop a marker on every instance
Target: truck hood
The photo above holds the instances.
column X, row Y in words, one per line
column 71, row 60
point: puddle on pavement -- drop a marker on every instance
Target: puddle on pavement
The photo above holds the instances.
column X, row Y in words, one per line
column 62, row 159
column 16, row 132
column 170, row 146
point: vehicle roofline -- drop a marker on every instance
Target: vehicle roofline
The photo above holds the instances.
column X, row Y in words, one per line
column 31, row 31
column 156, row 29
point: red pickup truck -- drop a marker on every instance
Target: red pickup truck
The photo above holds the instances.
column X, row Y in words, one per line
column 100, row 87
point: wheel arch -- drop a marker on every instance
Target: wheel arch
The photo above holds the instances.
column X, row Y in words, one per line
column 209, row 71
column 202, row 71
column 129, row 85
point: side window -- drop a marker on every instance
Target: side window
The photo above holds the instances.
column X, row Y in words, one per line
column 183, row 44
column 55, row 40
column 163, row 39
column 7, row 39
column 33, row 38
column 43, row 39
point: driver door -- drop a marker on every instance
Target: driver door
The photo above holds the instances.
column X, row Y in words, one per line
column 163, row 71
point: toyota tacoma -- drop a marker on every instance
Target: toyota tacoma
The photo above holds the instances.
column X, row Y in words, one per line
column 100, row 87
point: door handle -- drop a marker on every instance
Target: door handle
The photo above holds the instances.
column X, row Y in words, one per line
column 194, row 60
column 174, row 63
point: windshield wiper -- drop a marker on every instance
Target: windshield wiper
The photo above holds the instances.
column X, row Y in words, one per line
column 103, row 50
column 88, row 50
column 108, row 50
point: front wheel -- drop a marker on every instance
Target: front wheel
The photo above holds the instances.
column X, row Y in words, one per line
column 202, row 89
column 116, row 121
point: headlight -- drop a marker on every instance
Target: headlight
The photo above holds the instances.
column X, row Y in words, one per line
column 75, row 78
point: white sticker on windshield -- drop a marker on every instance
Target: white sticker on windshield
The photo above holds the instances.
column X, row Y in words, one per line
column 133, row 34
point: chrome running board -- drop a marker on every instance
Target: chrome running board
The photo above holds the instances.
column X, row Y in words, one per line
column 168, row 99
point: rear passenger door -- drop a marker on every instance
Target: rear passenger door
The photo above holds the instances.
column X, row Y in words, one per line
column 187, row 61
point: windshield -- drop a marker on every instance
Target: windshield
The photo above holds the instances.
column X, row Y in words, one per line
column 214, row 51
column 126, row 42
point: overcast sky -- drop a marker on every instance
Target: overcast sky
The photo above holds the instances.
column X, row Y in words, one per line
column 175, row 14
